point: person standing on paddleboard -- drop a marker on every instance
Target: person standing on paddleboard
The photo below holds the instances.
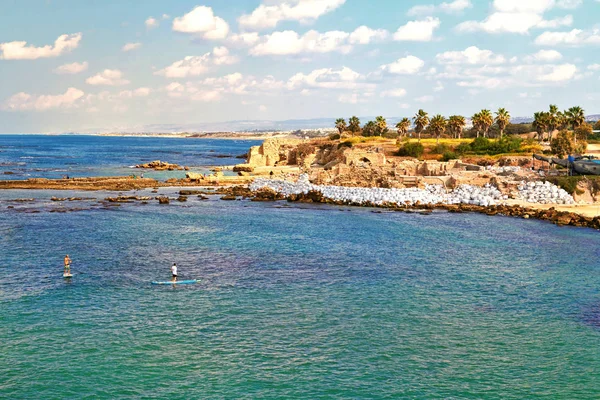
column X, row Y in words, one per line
column 174, row 272
column 67, row 265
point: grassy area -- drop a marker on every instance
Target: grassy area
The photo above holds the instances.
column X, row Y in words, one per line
column 370, row 139
column 432, row 142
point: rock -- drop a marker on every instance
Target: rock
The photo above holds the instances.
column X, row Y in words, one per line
column 228, row 197
column 194, row 176
column 243, row 173
column 158, row 165
column 163, row 200
column 201, row 197
column 182, row 198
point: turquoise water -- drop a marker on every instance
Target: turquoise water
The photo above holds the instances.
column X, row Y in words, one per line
column 295, row 301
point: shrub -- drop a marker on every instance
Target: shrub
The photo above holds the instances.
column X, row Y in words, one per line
column 334, row 136
column 390, row 134
column 584, row 131
column 440, row 149
column 568, row 183
column 562, row 144
column 345, row 144
column 411, row 150
column 449, row 155
column 463, row 148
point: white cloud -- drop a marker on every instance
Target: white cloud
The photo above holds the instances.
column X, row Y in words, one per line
column 131, row 46
column 544, row 56
column 201, row 20
column 262, row 108
column 516, row 76
column 513, row 23
column 450, row 8
column 418, row 31
column 365, row 35
column 166, row 16
column 19, row 50
column 354, row 98
column 198, row 65
column 472, row 55
column 594, row 67
column 519, row 16
column 70, row 69
column 139, row 92
column 108, row 77
column 210, row 89
column 26, row 102
column 244, row 39
column 425, row 99
column 394, row 93
column 559, row 73
column 290, row 42
column 305, row 11
column 328, row 78
column 409, row 65
column 151, row 22
column 576, row 37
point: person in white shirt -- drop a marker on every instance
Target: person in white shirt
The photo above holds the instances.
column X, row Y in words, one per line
column 174, row 271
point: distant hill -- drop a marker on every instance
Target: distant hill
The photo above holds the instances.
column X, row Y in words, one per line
column 259, row 126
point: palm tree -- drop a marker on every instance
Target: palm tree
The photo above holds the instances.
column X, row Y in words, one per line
column 369, row 129
column 553, row 120
column 340, row 124
column 438, row 126
column 421, row 120
column 487, row 120
column 502, row 120
column 561, row 120
column 576, row 117
column 540, row 123
column 403, row 126
column 381, row 125
column 476, row 120
column 456, row 124
column 354, row 125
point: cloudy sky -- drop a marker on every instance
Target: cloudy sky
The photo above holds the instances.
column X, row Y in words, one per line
column 72, row 65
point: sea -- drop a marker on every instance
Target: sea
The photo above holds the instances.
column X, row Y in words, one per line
column 295, row 301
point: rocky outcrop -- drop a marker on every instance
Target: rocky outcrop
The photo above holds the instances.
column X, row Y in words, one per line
column 163, row 200
column 158, row 165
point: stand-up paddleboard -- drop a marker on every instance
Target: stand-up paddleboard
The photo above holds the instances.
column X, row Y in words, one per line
column 188, row 282
column 67, row 275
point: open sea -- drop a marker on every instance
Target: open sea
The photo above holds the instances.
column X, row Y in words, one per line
column 295, row 301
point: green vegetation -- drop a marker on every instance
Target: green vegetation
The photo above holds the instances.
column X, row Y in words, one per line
column 484, row 146
column 565, row 143
column 502, row 120
column 568, row 183
column 485, row 125
column 411, row 149
column 421, row 120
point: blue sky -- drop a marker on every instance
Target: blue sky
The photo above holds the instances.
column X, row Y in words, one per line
column 72, row 65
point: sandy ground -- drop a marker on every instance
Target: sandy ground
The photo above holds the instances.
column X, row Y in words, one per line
column 587, row 210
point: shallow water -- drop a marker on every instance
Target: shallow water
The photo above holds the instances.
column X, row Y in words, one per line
column 301, row 301
column 295, row 301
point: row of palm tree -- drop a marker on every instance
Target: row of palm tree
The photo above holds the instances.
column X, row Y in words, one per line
column 482, row 122
column 553, row 119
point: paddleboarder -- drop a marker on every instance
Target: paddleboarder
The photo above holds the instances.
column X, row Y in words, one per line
column 174, row 272
column 67, row 265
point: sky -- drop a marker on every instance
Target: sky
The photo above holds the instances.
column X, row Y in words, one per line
column 79, row 66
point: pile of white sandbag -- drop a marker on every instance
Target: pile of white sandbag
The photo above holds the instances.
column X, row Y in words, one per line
column 544, row 193
column 432, row 194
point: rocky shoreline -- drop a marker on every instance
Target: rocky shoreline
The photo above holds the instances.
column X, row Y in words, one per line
column 562, row 218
